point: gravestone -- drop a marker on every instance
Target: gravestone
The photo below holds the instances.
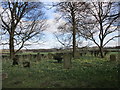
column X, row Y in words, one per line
column 77, row 55
column 67, row 61
column 85, row 53
column 50, row 56
column 46, row 56
column 15, row 61
column 95, row 53
column 112, row 57
column 58, row 57
column 42, row 56
column 92, row 53
column 28, row 56
column 34, row 57
column 81, row 53
column 26, row 64
column 21, row 57
column 4, row 76
column 39, row 57
column 24, row 56
column 118, row 57
column 17, row 56
column 106, row 52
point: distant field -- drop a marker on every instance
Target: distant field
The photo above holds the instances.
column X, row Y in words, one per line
column 44, row 52
column 25, row 53
column 86, row 72
column 110, row 51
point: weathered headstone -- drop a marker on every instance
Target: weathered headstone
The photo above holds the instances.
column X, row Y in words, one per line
column 4, row 76
column 50, row 56
column 67, row 60
column 26, row 64
column 46, row 56
column 42, row 56
column 39, row 57
column 28, row 56
column 95, row 53
column 77, row 55
column 106, row 52
column 92, row 52
column 85, row 53
column 81, row 53
column 15, row 61
column 17, row 56
column 24, row 56
column 112, row 57
column 58, row 57
column 118, row 58
column 34, row 57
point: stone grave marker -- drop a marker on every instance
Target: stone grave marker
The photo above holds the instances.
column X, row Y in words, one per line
column 4, row 76
column 26, row 56
column 26, row 64
column 46, row 56
column 118, row 58
column 112, row 57
column 34, row 57
column 15, row 61
column 81, row 54
column 67, row 61
column 77, row 55
column 21, row 57
column 106, row 52
column 39, row 57
column 58, row 57
column 17, row 56
column 42, row 56
column 50, row 56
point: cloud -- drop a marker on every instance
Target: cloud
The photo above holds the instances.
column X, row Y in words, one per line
column 50, row 40
column 1, row 9
column 52, row 27
column 49, row 43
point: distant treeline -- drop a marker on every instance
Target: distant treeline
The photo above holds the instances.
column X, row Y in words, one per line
column 117, row 47
column 112, row 49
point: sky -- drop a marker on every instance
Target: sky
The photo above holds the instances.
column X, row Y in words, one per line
column 49, row 40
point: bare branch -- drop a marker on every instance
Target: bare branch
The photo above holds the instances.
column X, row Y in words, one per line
column 111, row 39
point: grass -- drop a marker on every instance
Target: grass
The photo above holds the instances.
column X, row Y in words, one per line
column 86, row 72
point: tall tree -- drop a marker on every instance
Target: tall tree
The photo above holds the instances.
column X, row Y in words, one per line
column 21, row 21
column 100, row 24
column 71, row 13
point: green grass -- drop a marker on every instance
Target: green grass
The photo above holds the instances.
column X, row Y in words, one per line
column 86, row 72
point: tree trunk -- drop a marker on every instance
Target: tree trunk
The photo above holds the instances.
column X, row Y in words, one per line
column 11, row 48
column 74, row 33
column 74, row 42
column 101, row 52
column 11, row 45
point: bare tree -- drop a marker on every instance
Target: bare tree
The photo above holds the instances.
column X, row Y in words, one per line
column 64, row 35
column 71, row 13
column 22, row 21
column 100, row 24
